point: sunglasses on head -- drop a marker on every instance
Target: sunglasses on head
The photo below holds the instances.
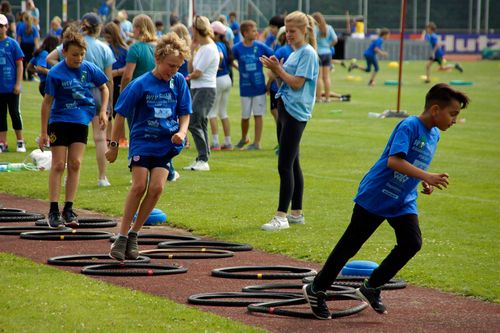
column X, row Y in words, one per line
column 3, row 25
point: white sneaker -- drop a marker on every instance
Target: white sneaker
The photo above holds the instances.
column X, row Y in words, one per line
column 21, row 146
column 276, row 223
column 176, row 176
column 201, row 166
column 103, row 182
column 190, row 166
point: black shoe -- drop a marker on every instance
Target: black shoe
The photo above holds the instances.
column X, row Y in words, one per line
column 459, row 68
column 372, row 297
column 132, row 251
column 54, row 221
column 316, row 301
column 70, row 218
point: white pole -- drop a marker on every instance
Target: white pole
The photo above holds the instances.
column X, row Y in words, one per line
column 427, row 12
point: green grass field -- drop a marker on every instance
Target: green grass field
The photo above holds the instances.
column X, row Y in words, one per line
column 459, row 225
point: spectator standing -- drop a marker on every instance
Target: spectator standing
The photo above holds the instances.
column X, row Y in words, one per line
column 6, row 10
column 34, row 12
column 56, row 27
column 28, row 38
column 235, row 27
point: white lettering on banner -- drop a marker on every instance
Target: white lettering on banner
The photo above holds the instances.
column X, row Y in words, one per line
column 469, row 44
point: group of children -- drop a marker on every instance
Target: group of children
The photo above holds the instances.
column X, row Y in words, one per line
column 157, row 106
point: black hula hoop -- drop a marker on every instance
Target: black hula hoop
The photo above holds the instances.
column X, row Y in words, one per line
column 87, row 223
column 20, row 229
column 207, row 244
column 91, row 259
column 8, row 211
column 334, row 292
column 187, row 253
column 126, row 269
column 155, row 239
column 221, row 298
column 66, row 235
column 272, row 308
column 357, row 281
column 21, row 217
column 235, row 272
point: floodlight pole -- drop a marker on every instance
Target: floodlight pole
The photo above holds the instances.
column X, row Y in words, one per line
column 401, row 44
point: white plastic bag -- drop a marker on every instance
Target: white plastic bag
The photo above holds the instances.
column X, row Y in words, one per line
column 42, row 159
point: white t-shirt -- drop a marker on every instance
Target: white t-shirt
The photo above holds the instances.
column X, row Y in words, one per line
column 206, row 60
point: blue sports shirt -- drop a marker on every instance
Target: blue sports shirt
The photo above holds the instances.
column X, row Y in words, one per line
column 10, row 52
column 377, row 43
column 40, row 60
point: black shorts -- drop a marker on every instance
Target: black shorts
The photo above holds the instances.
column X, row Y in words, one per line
column 150, row 162
column 64, row 134
column 325, row 60
column 272, row 100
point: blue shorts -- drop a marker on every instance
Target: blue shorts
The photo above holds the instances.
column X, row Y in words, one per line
column 371, row 61
column 325, row 60
column 150, row 162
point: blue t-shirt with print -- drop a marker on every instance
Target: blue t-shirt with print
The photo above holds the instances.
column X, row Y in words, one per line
column 252, row 79
column 10, row 52
column 70, row 87
column 152, row 107
column 25, row 36
column 389, row 193
column 41, row 60
column 324, row 44
column 282, row 52
column 433, row 40
column 223, row 65
column 299, row 103
column 377, row 43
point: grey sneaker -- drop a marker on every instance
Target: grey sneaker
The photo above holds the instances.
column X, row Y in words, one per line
column 316, row 301
column 253, row 146
column 292, row 219
column 70, row 218
column 132, row 251
column 371, row 296
column 118, row 248
column 54, row 221
column 242, row 143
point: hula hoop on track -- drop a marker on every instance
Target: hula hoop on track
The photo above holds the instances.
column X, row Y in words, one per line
column 18, row 230
column 87, row 223
column 91, row 259
column 187, row 253
column 7, row 211
column 155, row 239
column 66, row 235
column 20, row 217
column 126, row 269
column 207, row 244
column 357, row 281
column 292, row 272
column 221, row 298
column 272, row 308
column 333, row 293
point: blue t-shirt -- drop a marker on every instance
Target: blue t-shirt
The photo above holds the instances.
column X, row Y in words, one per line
column 304, row 63
column 27, row 38
column 388, row 193
column 270, row 40
column 252, row 79
column 120, row 54
column 70, row 87
column 223, row 65
column 377, row 43
column 433, row 40
column 10, row 52
column 56, row 33
column 152, row 107
column 41, row 60
column 184, row 70
column 282, row 52
column 235, row 27
column 325, row 43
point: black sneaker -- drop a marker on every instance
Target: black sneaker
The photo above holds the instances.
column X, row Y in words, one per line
column 372, row 297
column 70, row 218
column 459, row 68
column 54, row 221
column 316, row 301
column 132, row 251
column 118, row 248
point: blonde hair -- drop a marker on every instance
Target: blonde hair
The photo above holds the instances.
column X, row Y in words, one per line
column 305, row 23
column 146, row 27
column 320, row 20
column 202, row 25
column 182, row 31
column 56, row 19
column 171, row 43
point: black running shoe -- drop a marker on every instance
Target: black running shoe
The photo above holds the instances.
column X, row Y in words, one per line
column 316, row 301
column 54, row 221
column 459, row 68
column 70, row 218
column 132, row 251
column 372, row 297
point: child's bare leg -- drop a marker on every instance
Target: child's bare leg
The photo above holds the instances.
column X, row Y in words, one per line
column 259, row 123
column 326, row 80
column 245, row 124
column 213, row 126
column 100, row 147
column 56, row 171
column 134, row 196
column 75, row 156
column 428, row 71
column 226, row 127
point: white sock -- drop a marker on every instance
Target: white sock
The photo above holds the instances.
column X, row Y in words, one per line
column 215, row 140
column 227, row 140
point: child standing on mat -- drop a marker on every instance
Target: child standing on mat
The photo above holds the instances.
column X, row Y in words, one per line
column 157, row 106
column 68, row 107
column 388, row 192
column 295, row 97
column 371, row 55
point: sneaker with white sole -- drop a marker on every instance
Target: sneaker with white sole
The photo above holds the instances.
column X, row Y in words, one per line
column 293, row 219
column 103, row 182
column 201, row 166
column 316, row 301
column 118, row 248
column 276, row 223
column 21, row 146
column 190, row 166
column 174, row 177
column 371, row 296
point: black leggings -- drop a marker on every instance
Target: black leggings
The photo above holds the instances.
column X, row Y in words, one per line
column 10, row 101
column 291, row 180
column 363, row 225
